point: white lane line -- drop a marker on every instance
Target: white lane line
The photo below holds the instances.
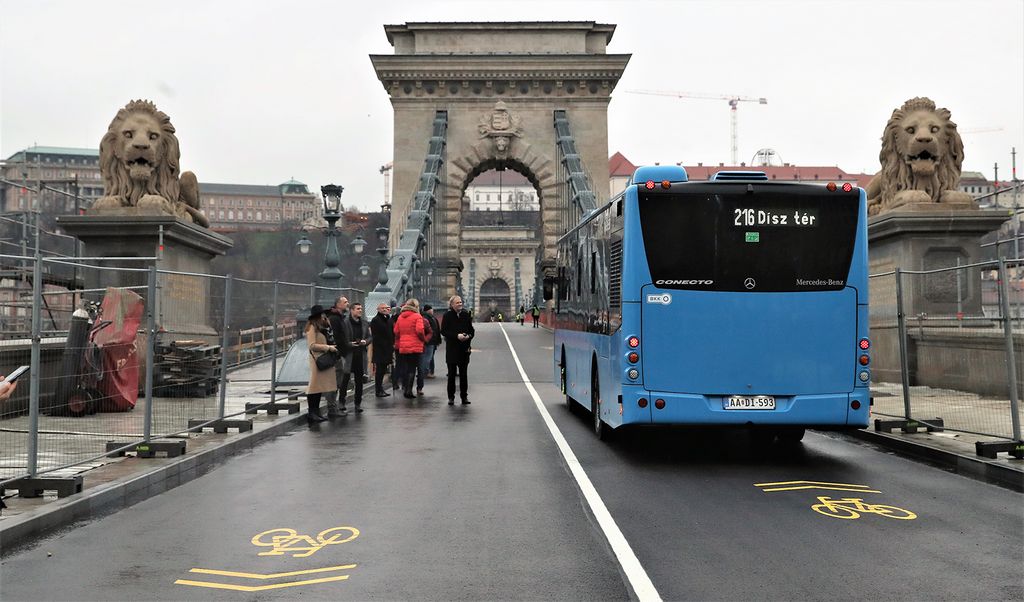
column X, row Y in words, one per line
column 631, row 567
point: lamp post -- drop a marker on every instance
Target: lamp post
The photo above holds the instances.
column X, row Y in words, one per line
column 331, row 275
column 382, row 272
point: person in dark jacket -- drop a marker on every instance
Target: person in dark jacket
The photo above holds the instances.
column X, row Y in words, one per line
column 383, row 348
column 337, row 315
column 410, row 336
column 396, row 372
column 457, row 330
column 353, row 350
column 431, row 332
column 435, row 341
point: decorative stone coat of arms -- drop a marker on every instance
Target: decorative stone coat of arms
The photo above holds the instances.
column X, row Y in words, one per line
column 500, row 125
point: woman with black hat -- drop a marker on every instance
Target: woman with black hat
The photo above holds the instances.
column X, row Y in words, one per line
column 319, row 339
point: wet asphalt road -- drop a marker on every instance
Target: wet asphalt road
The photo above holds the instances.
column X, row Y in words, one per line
column 476, row 503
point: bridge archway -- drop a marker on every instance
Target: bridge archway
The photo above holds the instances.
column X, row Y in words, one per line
column 498, row 86
column 495, row 298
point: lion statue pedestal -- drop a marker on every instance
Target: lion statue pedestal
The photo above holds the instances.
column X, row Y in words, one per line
column 148, row 205
column 183, row 301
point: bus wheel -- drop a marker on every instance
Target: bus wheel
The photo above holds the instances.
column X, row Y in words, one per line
column 600, row 428
column 791, row 434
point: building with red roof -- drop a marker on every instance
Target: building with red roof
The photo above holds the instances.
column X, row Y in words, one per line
column 620, row 169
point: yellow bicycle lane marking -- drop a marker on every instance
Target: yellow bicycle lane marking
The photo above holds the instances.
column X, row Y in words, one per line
column 281, row 541
column 795, row 485
column 842, row 508
column 257, row 588
column 853, row 507
column 288, row 540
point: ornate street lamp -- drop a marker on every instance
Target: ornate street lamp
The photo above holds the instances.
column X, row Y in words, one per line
column 382, row 272
column 331, row 274
column 358, row 244
column 304, row 244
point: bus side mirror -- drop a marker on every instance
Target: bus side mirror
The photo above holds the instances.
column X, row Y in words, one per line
column 549, row 288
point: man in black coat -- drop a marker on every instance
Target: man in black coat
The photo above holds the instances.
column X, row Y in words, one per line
column 353, row 350
column 337, row 315
column 457, row 330
column 383, row 336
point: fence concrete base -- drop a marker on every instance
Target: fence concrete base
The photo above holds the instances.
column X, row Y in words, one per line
column 978, row 468
column 113, row 496
column 35, row 486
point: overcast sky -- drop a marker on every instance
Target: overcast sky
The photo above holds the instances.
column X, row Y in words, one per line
column 264, row 91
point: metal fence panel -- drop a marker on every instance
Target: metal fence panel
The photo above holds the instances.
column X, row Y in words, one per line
column 86, row 395
column 957, row 360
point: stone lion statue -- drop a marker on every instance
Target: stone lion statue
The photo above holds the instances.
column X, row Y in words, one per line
column 139, row 158
column 921, row 157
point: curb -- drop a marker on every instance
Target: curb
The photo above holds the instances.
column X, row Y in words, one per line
column 128, row 491
column 978, row 468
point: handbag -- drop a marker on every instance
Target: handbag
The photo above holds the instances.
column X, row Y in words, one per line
column 326, row 360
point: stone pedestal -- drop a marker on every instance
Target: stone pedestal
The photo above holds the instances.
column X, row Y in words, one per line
column 923, row 237
column 184, row 304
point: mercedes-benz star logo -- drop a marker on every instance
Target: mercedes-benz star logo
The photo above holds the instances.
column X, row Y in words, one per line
column 749, row 283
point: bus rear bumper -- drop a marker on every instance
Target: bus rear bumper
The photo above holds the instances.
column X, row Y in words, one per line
column 803, row 410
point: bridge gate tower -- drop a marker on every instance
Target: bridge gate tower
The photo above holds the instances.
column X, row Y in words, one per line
column 468, row 97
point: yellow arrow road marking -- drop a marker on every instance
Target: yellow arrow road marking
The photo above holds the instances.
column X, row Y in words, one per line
column 795, row 485
column 272, row 575
column 257, row 588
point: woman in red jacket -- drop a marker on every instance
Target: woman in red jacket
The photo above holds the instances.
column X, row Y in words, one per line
column 409, row 340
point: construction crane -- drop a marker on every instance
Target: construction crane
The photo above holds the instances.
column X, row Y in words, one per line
column 733, row 99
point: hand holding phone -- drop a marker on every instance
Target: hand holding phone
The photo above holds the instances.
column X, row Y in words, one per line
column 13, row 376
column 8, row 384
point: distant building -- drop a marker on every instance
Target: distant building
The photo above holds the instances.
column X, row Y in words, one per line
column 502, row 191
column 234, row 207
column 621, row 169
column 977, row 185
column 229, row 207
column 56, row 167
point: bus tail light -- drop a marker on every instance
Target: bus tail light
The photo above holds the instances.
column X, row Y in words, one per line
column 642, row 402
column 633, row 357
column 831, row 186
column 633, row 342
column 864, row 360
column 633, row 374
column 864, row 376
column 865, row 344
column 659, row 403
column 847, row 187
column 855, row 404
column 649, row 185
column 666, row 184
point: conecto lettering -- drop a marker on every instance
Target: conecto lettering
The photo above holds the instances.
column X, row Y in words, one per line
column 684, row 282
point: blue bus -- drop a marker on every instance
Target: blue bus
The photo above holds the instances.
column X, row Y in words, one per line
column 731, row 301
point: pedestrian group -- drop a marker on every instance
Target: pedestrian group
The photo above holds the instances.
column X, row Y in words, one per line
column 401, row 343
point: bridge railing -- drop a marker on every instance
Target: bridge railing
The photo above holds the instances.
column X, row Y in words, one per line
column 140, row 364
column 398, row 283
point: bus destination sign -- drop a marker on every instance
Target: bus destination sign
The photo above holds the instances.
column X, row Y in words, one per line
column 744, row 217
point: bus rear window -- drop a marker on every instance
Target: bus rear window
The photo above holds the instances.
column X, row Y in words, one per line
column 720, row 237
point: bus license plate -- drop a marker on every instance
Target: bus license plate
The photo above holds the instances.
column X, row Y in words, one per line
column 749, row 402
